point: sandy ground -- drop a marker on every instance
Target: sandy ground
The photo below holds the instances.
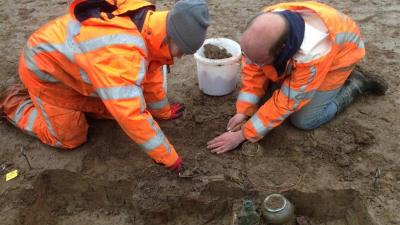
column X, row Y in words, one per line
column 330, row 174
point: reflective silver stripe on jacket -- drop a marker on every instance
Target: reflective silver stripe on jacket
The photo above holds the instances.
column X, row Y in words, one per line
column 296, row 95
column 157, row 140
column 248, row 97
column 113, row 39
column 349, row 37
column 165, row 77
column 301, row 95
column 84, row 77
column 142, row 72
column 70, row 47
column 262, row 129
column 119, row 92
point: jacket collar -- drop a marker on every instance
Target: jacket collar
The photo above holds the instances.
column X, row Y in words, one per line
column 154, row 33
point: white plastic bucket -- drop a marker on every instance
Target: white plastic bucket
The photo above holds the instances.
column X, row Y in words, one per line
column 218, row 76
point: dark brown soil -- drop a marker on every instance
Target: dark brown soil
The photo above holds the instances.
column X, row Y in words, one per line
column 274, row 202
column 215, row 52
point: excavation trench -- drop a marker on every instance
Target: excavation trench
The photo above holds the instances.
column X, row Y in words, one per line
column 60, row 195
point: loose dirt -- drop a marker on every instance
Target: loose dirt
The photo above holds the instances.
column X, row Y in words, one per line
column 330, row 174
column 215, row 52
column 274, row 202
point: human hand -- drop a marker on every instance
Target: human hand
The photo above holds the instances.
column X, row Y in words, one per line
column 177, row 110
column 236, row 122
column 225, row 142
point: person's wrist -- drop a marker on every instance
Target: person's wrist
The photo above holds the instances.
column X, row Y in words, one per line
column 241, row 135
column 244, row 114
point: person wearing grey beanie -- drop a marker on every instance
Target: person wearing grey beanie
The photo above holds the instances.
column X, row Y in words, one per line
column 187, row 25
column 121, row 72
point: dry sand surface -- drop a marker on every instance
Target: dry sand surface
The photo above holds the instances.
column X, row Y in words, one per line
column 330, row 174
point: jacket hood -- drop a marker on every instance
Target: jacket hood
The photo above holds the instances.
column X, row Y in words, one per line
column 152, row 24
column 85, row 9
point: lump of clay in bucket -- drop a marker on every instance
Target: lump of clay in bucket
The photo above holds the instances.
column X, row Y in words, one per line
column 215, row 52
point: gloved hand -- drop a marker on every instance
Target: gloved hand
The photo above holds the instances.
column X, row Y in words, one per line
column 177, row 166
column 177, row 110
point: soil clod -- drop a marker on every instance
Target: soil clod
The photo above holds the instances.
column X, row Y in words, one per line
column 216, row 52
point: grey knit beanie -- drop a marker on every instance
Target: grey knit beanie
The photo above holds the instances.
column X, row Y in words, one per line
column 187, row 24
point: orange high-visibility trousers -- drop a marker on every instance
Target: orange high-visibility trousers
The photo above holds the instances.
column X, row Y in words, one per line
column 53, row 125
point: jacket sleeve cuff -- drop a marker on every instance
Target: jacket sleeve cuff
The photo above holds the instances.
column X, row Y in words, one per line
column 247, row 109
column 249, row 133
column 166, row 157
column 164, row 113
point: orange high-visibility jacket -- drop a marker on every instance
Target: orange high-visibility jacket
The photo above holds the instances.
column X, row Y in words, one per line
column 303, row 79
column 105, row 59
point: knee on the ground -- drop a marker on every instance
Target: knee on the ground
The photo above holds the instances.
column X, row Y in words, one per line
column 63, row 143
column 72, row 145
column 71, row 142
column 70, row 138
column 302, row 122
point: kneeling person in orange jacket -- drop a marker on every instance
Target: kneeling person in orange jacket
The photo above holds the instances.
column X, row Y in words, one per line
column 308, row 50
column 105, row 58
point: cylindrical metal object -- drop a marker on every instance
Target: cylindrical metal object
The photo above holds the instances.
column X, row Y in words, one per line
column 277, row 209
